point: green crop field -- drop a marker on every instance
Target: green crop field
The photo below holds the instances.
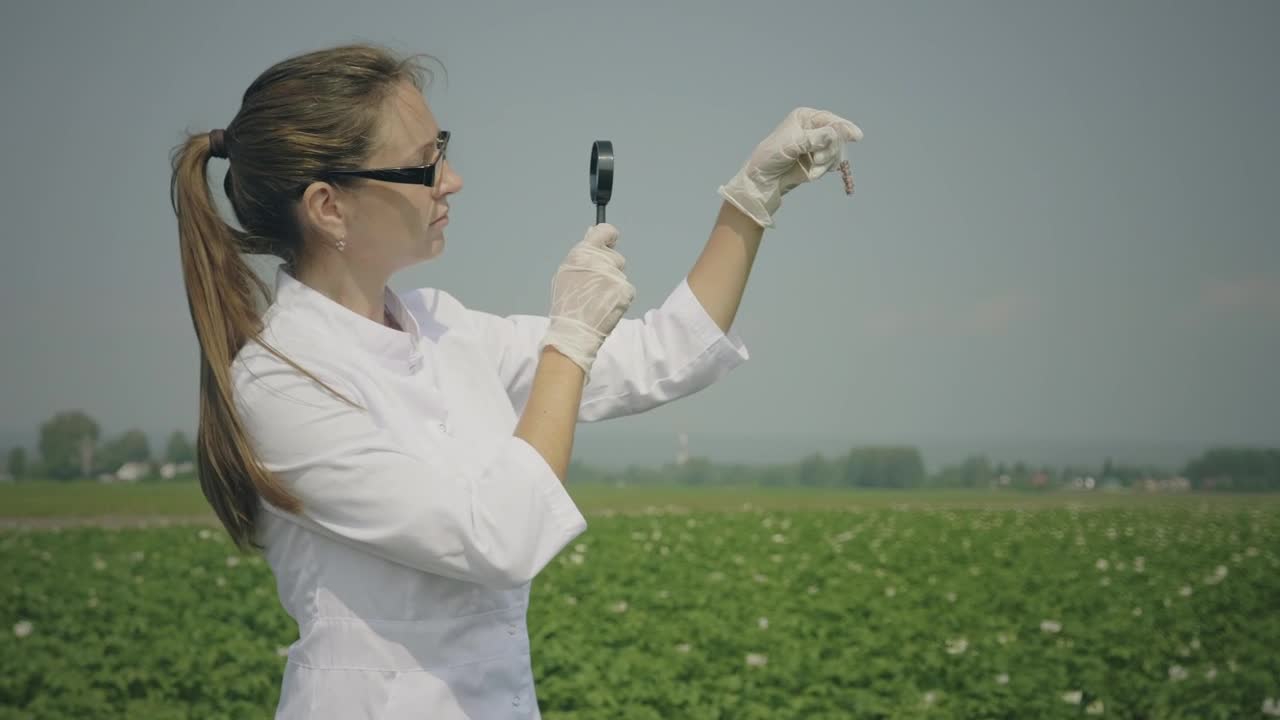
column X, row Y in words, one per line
column 708, row 604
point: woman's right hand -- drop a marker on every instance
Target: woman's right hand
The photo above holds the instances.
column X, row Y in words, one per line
column 589, row 295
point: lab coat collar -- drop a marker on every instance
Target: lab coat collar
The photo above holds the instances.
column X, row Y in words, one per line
column 332, row 321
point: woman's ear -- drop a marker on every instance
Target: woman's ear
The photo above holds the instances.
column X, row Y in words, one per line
column 322, row 208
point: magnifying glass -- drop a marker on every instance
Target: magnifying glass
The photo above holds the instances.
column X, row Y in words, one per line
column 601, row 176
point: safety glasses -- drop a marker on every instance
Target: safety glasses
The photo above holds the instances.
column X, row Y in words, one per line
column 412, row 175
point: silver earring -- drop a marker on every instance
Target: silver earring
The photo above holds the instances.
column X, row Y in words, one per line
column 341, row 244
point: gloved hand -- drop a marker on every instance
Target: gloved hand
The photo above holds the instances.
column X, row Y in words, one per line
column 804, row 146
column 589, row 294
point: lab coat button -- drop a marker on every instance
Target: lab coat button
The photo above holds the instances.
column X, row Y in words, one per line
column 515, row 701
column 511, row 629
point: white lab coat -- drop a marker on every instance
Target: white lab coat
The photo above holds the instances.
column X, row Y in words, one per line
column 424, row 518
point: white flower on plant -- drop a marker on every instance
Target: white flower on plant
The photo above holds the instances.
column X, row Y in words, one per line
column 957, row 646
column 760, row 578
column 1050, row 626
column 813, row 590
column 1137, row 612
column 1101, row 564
column 1185, row 591
column 929, row 698
column 1177, row 673
column 757, row 659
column 1002, row 679
column 232, row 561
column 1094, row 708
column 683, row 648
column 715, row 576
column 619, row 607
column 282, row 651
column 763, row 623
column 779, row 538
column 1003, row 638
column 1271, row 707
column 570, row 600
column 204, row 534
column 1211, row 673
column 1073, row 696
column 580, row 547
column 890, row 591
column 576, row 558
column 951, row 597
column 23, row 628
column 99, row 564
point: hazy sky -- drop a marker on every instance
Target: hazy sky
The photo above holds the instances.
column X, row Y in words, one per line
column 1065, row 223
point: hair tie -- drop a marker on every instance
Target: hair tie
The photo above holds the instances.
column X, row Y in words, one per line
column 218, row 143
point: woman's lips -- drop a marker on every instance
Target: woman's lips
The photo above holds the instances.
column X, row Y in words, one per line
column 442, row 220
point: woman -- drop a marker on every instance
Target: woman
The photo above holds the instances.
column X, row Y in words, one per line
column 400, row 458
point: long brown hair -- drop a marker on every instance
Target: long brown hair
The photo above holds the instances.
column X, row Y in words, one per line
column 302, row 115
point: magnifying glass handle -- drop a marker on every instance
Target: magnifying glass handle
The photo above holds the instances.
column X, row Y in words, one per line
column 601, row 176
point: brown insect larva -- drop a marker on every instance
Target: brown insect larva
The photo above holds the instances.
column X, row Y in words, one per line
column 847, row 176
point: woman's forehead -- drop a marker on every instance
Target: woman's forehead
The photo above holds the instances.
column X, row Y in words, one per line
column 407, row 123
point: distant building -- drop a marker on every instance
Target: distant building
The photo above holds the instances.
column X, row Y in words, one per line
column 682, row 454
column 169, row 470
column 1171, row 484
column 129, row 472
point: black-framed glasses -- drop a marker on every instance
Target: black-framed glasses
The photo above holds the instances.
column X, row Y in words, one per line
column 412, row 175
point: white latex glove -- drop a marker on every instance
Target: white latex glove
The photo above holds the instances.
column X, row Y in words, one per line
column 589, row 294
column 804, row 146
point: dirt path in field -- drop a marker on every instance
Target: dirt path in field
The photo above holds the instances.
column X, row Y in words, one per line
column 105, row 521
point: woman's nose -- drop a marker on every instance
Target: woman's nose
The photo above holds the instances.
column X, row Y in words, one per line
column 450, row 182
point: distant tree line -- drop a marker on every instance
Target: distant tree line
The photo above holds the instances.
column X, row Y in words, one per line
column 70, row 449
column 901, row 467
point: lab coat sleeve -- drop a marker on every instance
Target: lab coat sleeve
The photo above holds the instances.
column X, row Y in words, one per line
column 497, row 521
column 672, row 351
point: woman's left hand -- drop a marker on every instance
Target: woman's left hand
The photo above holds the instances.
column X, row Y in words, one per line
column 803, row 147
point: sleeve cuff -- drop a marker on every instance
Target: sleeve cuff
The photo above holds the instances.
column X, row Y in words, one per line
column 683, row 303
column 567, row 516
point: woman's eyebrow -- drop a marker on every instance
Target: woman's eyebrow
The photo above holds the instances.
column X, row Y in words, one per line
column 420, row 153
